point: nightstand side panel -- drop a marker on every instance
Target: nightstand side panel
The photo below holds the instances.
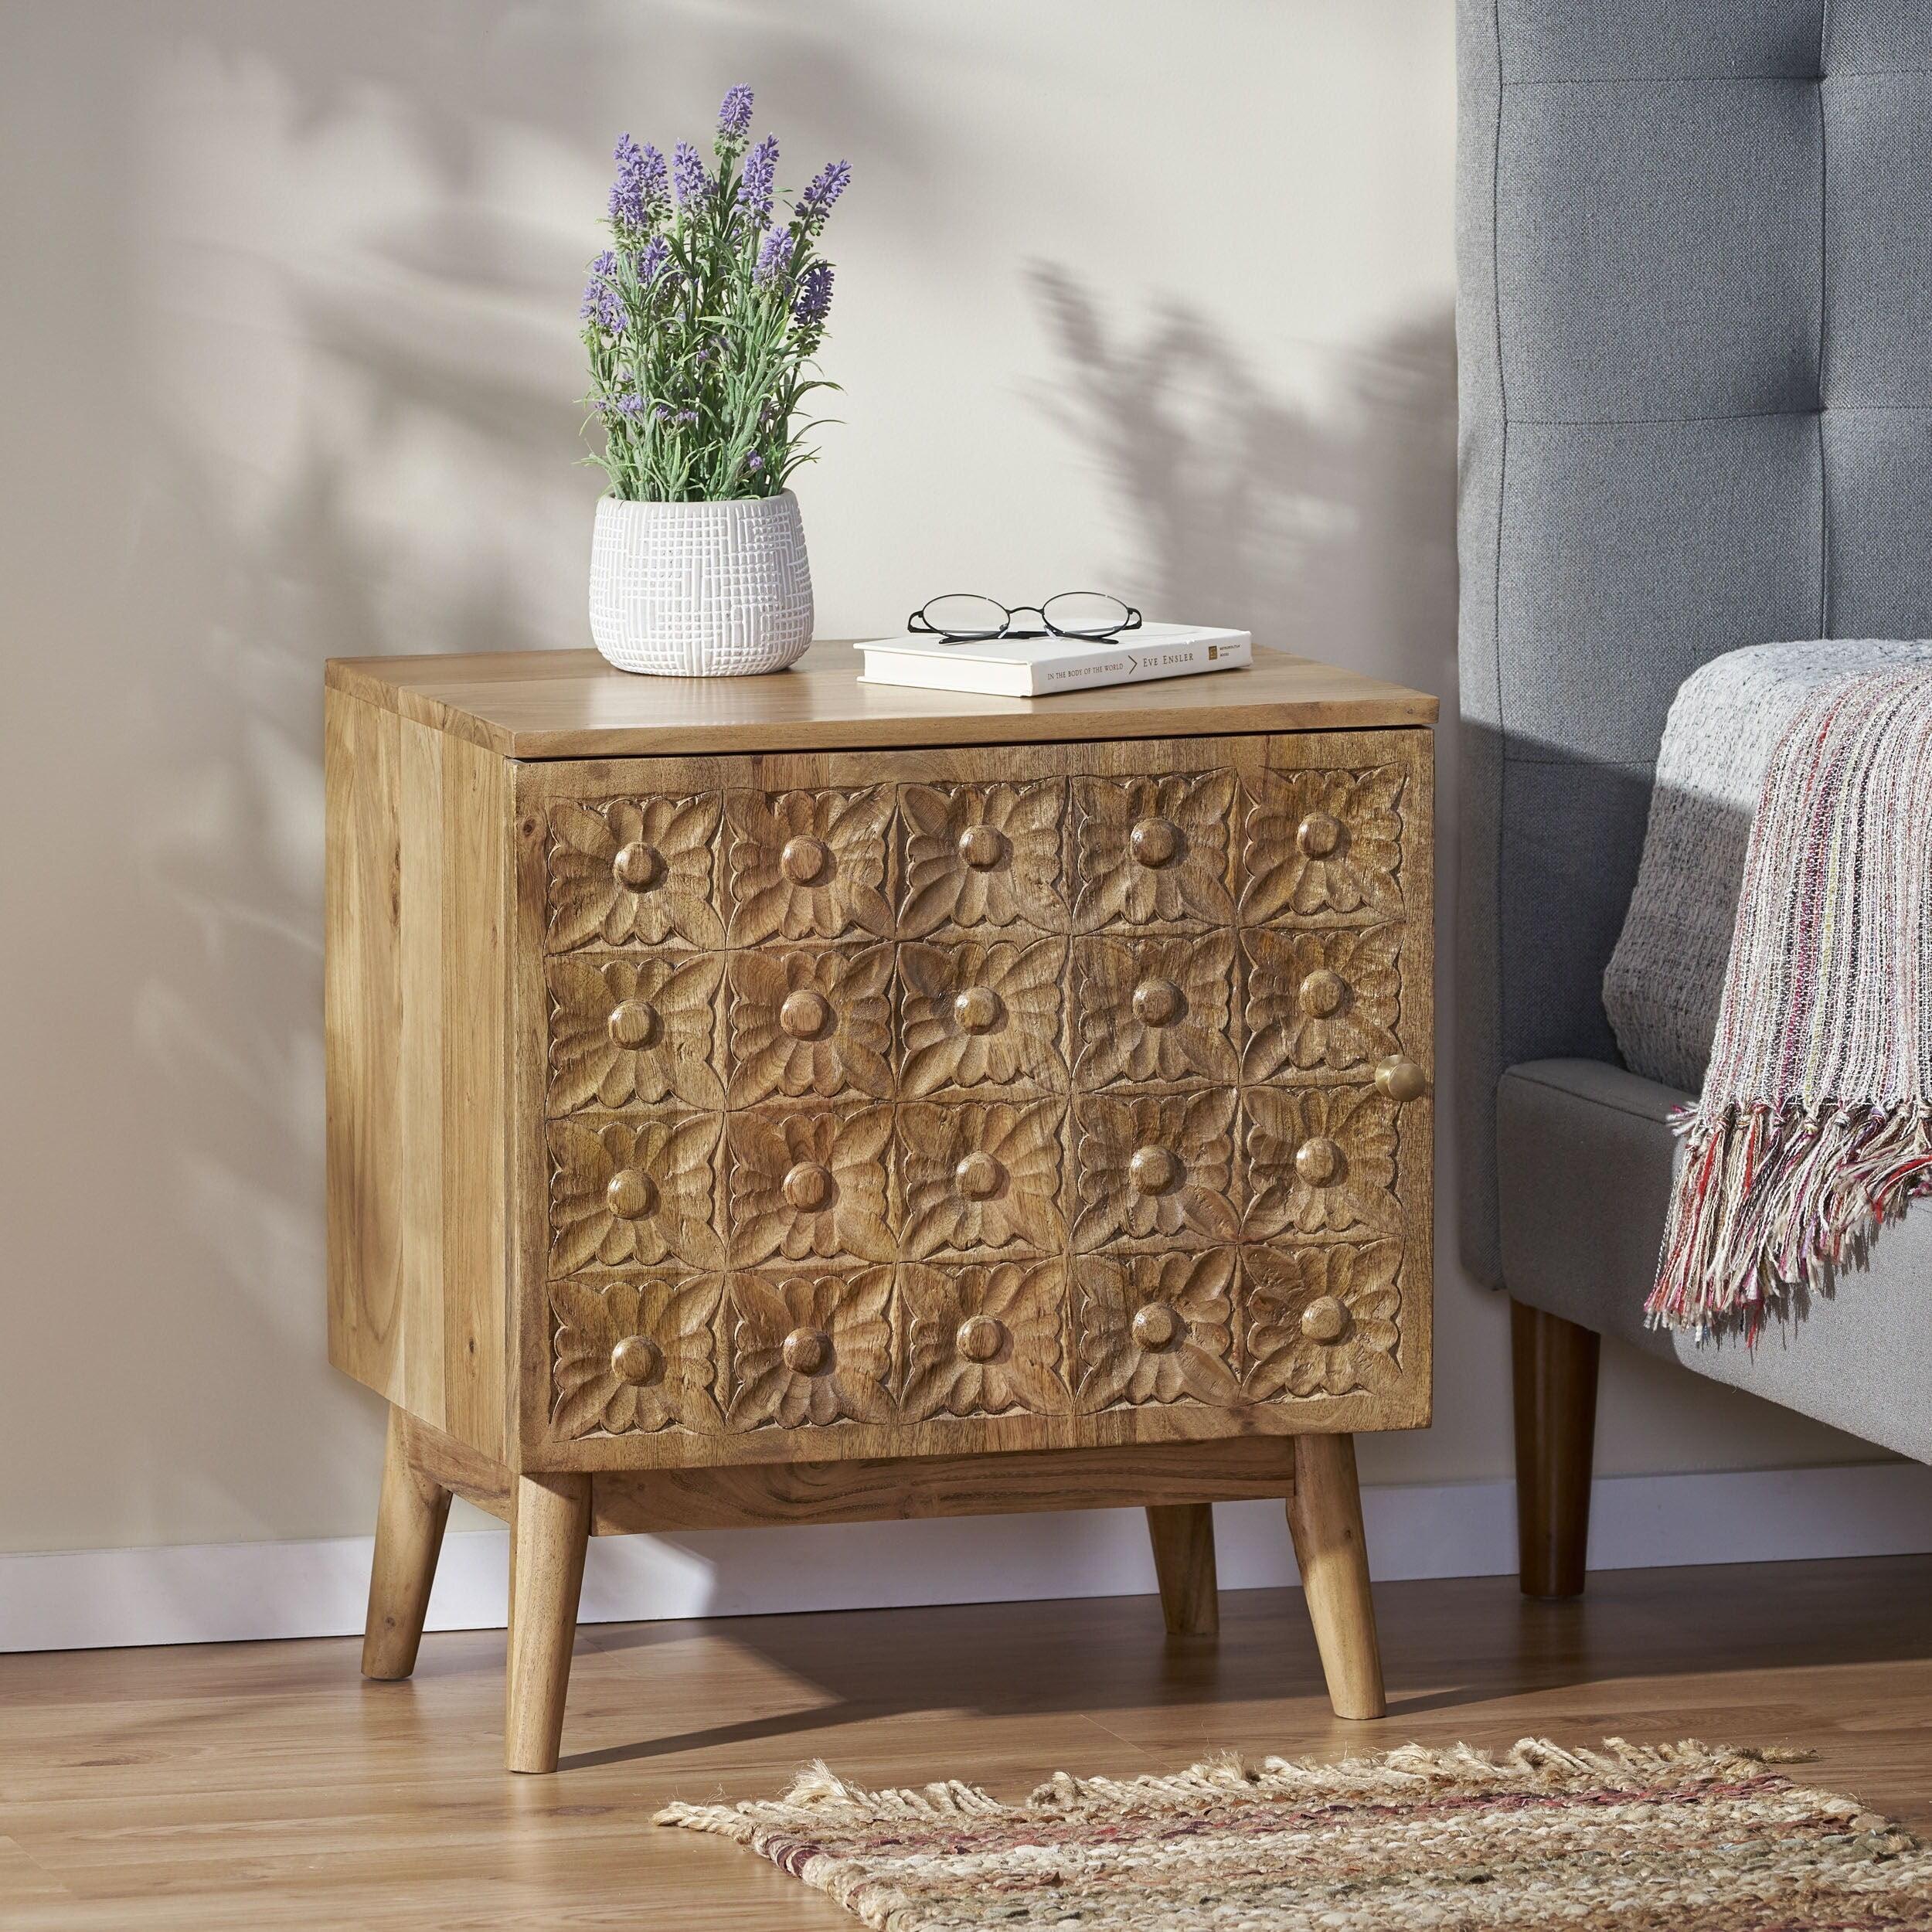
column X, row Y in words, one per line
column 417, row 910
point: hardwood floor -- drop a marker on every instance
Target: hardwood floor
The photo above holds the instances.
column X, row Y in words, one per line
column 268, row 1785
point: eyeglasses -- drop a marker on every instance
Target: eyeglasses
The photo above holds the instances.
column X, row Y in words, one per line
column 960, row 617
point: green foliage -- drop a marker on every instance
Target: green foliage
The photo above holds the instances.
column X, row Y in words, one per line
column 702, row 320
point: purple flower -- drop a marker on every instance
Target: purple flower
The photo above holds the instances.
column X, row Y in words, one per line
column 756, row 186
column 773, row 256
column 656, row 252
column 734, row 115
column 814, row 297
column 629, row 405
column 754, row 462
column 639, row 196
column 600, row 302
column 815, row 203
column 688, row 176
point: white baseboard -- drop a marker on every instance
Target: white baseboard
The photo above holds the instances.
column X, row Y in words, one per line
column 216, row 1592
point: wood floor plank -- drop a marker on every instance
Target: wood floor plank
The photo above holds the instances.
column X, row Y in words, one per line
column 268, row 1785
column 24, row 1884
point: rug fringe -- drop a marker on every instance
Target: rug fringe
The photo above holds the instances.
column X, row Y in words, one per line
column 788, row 1831
column 1767, row 1203
column 818, row 1793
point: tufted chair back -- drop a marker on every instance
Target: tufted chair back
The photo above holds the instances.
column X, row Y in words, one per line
column 1695, row 321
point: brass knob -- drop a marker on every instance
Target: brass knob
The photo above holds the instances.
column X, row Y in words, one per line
column 1154, row 842
column 808, row 1352
column 979, row 1338
column 1401, row 1079
column 633, row 1023
column 804, row 861
column 1153, row 1170
column 1157, row 1002
column 1322, row 993
column 631, row 1196
column 979, row 1176
column 808, row 1187
column 1318, row 1160
column 636, row 1359
column 805, row 1014
column 982, row 846
column 637, row 867
column 1323, row 1319
column 1157, row 1326
column 977, row 1009
column 1318, row 834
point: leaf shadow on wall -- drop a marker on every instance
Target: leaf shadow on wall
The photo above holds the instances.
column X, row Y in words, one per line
column 351, row 430
column 1325, row 522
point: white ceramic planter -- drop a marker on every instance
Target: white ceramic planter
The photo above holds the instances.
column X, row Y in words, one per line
column 701, row 590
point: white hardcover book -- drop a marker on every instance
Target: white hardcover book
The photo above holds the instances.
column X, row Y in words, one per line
column 1038, row 667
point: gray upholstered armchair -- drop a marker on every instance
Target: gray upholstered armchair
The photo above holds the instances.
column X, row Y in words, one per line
column 1695, row 322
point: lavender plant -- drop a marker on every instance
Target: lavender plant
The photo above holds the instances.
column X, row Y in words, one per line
column 703, row 317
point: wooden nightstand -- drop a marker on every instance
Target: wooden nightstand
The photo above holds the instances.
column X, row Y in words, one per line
column 787, row 1100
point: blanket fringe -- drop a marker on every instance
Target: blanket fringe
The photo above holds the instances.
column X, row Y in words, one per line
column 1766, row 1204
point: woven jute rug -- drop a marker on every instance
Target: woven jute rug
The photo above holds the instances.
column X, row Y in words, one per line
column 1674, row 1838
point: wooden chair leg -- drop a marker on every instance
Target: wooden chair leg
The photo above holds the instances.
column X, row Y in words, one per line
column 1183, row 1537
column 550, row 1525
column 1324, row 1519
column 1554, row 1363
column 409, row 1538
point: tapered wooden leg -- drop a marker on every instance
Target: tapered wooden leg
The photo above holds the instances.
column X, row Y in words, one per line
column 1324, row 1519
column 1555, row 1372
column 550, row 1524
column 408, row 1536
column 1183, row 1535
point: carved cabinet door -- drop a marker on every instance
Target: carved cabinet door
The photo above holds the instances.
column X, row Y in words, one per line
column 921, row 1102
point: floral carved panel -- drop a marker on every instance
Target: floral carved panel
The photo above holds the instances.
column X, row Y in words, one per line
column 625, row 1030
column 816, row 1023
column 810, row 1349
column 810, row 1184
column 1155, row 1167
column 1153, row 1010
column 917, row 1102
column 1321, row 1160
column 1323, row 841
column 1323, row 1320
column 1156, row 1328
column 634, row 1190
column 982, row 855
column 1324, row 1001
column 1153, row 851
column 639, row 872
column 808, row 865
column 981, row 1176
column 975, row 1016
column 982, row 1341
column 635, row 1355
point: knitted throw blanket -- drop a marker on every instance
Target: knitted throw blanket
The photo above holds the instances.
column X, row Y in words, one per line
column 1814, row 1127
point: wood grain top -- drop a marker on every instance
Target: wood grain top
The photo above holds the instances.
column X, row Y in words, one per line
column 571, row 704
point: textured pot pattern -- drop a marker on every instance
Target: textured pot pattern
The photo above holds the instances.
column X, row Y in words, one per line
column 701, row 590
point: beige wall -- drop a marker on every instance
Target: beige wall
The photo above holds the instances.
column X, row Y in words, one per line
column 1132, row 293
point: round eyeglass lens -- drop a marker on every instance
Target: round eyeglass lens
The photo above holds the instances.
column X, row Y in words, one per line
column 962, row 616
column 1085, row 613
